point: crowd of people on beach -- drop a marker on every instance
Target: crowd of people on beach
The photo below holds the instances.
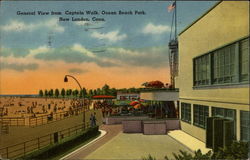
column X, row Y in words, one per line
column 33, row 107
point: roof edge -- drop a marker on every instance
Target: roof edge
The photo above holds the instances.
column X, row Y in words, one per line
column 215, row 5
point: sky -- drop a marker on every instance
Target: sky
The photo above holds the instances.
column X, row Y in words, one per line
column 121, row 50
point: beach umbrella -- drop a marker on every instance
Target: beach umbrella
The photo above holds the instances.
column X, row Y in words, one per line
column 137, row 106
column 133, row 103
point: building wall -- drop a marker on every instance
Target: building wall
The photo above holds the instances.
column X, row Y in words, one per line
column 225, row 23
column 200, row 133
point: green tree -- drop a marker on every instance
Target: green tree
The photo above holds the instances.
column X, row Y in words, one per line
column 105, row 89
column 113, row 92
column 46, row 93
column 98, row 91
column 132, row 90
column 63, row 92
column 51, row 92
column 83, row 92
column 90, row 93
column 57, row 93
column 75, row 93
column 95, row 92
column 41, row 93
column 69, row 92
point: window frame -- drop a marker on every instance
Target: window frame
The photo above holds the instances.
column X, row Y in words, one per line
column 203, row 112
column 186, row 112
column 245, row 126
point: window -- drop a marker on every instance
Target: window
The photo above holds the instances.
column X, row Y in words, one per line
column 225, row 113
column 245, row 125
column 202, row 70
column 200, row 115
column 186, row 112
column 244, row 60
column 221, row 65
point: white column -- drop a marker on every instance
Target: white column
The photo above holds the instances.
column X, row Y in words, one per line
column 192, row 114
column 209, row 111
column 238, row 125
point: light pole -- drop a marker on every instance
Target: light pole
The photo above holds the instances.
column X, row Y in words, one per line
column 66, row 80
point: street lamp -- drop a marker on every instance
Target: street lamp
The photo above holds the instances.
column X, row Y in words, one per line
column 66, row 80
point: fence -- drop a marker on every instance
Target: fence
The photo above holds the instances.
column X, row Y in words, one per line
column 39, row 120
column 24, row 148
column 13, row 121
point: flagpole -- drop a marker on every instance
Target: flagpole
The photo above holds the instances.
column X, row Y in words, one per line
column 175, row 20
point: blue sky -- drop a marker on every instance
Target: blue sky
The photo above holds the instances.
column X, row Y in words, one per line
column 123, row 40
column 156, row 14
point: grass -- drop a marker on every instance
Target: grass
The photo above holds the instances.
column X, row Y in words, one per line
column 65, row 146
column 60, row 155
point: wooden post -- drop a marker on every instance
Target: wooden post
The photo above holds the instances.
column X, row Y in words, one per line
column 7, row 152
column 24, row 149
column 50, row 138
column 38, row 142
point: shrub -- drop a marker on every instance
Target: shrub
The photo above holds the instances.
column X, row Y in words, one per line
column 149, row 158
column 64, row 146
column 236, row 151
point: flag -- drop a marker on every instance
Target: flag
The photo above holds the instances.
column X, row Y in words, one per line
column 171, row 7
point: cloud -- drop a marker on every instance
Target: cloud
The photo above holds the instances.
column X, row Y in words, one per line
column 147, row 57
column 112, row 36
column 16, row 52
column 73, row 54
column 77, row 71
column 81, row 49
column 151, row 57
column 40, row 49
column 155, row 29
column 19, row 66
column 19, row 26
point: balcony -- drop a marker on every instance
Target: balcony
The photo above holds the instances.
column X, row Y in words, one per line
column 160, row 94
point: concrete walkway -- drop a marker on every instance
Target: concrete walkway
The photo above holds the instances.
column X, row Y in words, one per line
column 103, row 133
column 136, row 146
column 189, row 141
column 118, row 145
column 111, row 131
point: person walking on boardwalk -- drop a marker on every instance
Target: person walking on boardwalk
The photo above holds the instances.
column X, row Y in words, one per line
column 92, row 120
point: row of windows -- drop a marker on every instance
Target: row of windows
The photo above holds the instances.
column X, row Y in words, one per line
column 229, row 64
column 201, row 112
